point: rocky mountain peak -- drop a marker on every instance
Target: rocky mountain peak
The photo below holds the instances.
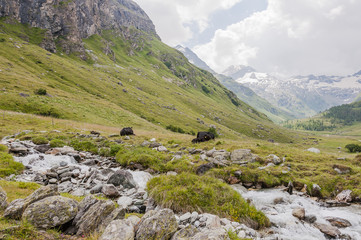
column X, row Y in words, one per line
column 238, row 71
column 74, row 20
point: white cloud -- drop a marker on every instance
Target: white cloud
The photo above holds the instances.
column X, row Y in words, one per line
column 173, row 17
column 292, row 37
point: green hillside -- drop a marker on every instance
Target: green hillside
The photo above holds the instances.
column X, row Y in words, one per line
column 129, row 79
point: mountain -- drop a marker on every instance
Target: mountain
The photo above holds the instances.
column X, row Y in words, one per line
column 239, row 71
column 194, row 59
column 304, row 96
column 115, row 71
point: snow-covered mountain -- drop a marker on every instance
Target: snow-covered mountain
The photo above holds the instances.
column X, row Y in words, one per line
column 194, row 59
column 304, row 96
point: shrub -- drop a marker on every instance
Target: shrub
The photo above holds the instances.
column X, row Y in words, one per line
column 353, row 148
column 114, row 149
column 105, row 152
column 147, row 157
column 40, row 91
column 40, row 140
column 2, row 40
column 84, row 146
column 57, row 143
column 8, row 166
column 175, row 129
column 205, row 89
column 188, row 192
column 214, row 131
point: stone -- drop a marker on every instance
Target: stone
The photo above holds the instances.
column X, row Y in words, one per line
column 328, row 230
column 212, row 221
column 211, row 234
column 17, row 207
column 338, row 222
column 96, row 189
column 344, row 196
column 3, row 199
column 18, row 148
column 95, row 215
column 241, row 155
column 160, row 224
column 117, row 214
column 316, row 191
column 185, row 233
column 274, row 159
column 194, row 217
column 63, row 151
column 122, row 177
column 202, row 169
column 145, row 144
column 233, row 180
column 84, row 205
column 51, row 212
column 299, row 213
column 42, row 148
column 110, row 191
column 171, row 173
column 162, row 149
column 310, row 218
column 314, row 150
column 125, row 201
column 341, row 169
column 238, row 174
column 185, row 217
column 119, row 229
column 154, row 145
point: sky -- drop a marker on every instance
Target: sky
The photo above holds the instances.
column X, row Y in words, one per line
column 284, row 37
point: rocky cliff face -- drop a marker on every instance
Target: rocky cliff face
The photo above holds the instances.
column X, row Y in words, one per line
column 73, row 20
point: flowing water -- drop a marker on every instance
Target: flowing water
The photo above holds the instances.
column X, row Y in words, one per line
column 286, row 226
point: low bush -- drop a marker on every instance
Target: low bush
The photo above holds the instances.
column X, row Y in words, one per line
column 188, row 192
column 175, row 129
column 40, row 91
column 40, row 140
column 353, row 148
column 87, row 146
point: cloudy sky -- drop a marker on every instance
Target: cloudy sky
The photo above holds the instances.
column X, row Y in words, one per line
column 276, row 36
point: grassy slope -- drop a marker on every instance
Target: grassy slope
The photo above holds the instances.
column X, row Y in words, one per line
column 89, row 91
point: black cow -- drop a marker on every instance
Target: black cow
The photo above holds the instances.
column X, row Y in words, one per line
column 126, row 131
column 203, row 137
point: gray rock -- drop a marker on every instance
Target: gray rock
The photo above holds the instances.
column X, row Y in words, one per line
column 51, row 212
column 117, row 214
column 18, row 148
column 162, row 149
column 185, row 217
column 212, row 221
column 310, row 218
column 110, row 191
column 314, row 150
column 274, row 159
column 96, row 189
column 328, row 230
column 157, row 225
column 119, row 229
column 84, row 205
column 42, row 148
column 145, row 144
column 125, row 201
column 211, row 234
column 194, row 217
column 299, row 213
column 3, row 199
column 17, row 207
column 185, row 233
column 154, row 144
column 95, row 215
column 316, row 191
column 242, row 155
column 344, row 196
column 338, row 222
column 122, row 177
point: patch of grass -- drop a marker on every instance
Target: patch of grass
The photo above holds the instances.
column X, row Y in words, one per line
column 188, row 192
column 16, row 190
column 144, row 156
column 86, row 145
column 39, row 140
column 8, row 166
column 55, row 143
column 233, row 236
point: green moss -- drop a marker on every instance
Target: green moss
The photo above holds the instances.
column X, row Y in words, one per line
column 188, row 192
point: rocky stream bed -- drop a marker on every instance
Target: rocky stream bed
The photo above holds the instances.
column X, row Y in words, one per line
column 63, row 169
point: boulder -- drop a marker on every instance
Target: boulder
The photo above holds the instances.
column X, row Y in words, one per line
column 316, row 191
column 154, row 144
column 202, row 169
column 92, row 218
column 242, row 155
column 211, row 234
column 328, row 230
column 3, row 199
column 18, row 148
column 212, row 221
column 122, row 177
column 119, row 229
column 274, row 159
column 51, row 212
column 341, row 169
column 84, row 205
column 338, row 222
column 42, row 148
column 185, row 233
column 117, row 214
column 299, row 213
column 314, row 150
column 110, row 191
column 17, row 207
column 160, row 224
column 344, row 196
column 125, row 201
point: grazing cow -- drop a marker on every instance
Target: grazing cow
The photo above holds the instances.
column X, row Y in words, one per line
column 203, row 137
column 126, row 131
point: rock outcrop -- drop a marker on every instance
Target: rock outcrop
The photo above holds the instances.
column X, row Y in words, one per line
column 75, row 20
